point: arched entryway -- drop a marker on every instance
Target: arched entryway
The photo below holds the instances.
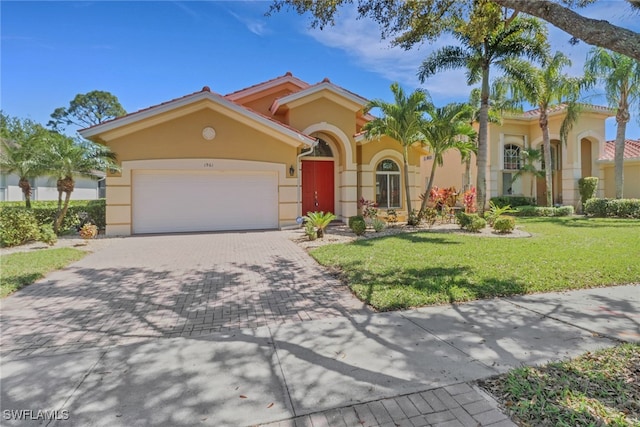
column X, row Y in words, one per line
column 318, row 179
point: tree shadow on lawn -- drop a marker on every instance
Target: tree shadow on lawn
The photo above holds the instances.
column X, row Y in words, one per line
column 414, row 287
column 588, row 222
column 417, row 237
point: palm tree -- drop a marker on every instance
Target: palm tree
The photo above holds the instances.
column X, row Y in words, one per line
column 531, row 157
column 481, row 47
column 67, row 158
column 498, row 105
column 448, row 128
column 547, row 87
column 621, row 77
column 401, row 120
column 21, row 151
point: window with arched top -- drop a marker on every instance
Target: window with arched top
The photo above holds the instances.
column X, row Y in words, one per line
column 321, row 149
column 388, row 184
column 512, row 157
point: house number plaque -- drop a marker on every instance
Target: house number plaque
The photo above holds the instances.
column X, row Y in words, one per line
column 208, row 164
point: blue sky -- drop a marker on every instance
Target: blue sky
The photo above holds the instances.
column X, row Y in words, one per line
column 149, row 52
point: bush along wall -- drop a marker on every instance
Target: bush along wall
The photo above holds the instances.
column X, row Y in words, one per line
column 544, row 211
column 45, row 212
column 620, row 208
column 513, row 201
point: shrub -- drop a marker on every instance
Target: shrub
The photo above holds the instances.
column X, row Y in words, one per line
column 469, row 200
column 17, row 226
column 544, row 211
column 496, row 211
column 512, row 201
column 392, row 216
column 357, row 225
column 505, row 224
column 595, row 207
column 46, row 211
column 310, row 231
column 464, row 219
column 369, row 208
column 470, row 222
column 414, row 218
column 88, row 231
column 587, row 187
column 477, row 224
column 430, row 215
column 320, row 221
column 47, row 235
column 623, row 208
column 378, row 225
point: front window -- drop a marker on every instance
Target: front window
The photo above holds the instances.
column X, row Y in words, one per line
column 388, row 185
column 511, row 157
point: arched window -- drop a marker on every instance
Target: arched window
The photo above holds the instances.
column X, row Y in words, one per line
column 388, row 184
column 321, row 149
column 512, row 157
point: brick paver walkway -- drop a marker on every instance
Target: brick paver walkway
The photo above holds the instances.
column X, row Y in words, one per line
column 170, row 286
column 457, row 405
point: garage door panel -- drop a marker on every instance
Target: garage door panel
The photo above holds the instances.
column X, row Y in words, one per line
column 180, row 201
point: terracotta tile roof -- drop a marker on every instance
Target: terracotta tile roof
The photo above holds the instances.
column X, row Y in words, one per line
column 287, row 76
column 631, row 149
column 531, row 114
column 222, row 98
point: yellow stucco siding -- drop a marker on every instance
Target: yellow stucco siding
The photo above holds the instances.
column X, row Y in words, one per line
column 323, row 110
column 181, row 138
column 262, row 102
column 631, row 189
column 371, row 148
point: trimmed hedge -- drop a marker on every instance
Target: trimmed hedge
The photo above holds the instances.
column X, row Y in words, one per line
column 513, row 201
column 621, row 208
column 17, row 226
column 471, row 222
column 544, row 211
column 587, row 187
column 45, row 212
column 504, row 224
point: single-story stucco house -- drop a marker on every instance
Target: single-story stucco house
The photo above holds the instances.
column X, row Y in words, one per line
column 257, row 158
column 585, row 153
column 44, row 188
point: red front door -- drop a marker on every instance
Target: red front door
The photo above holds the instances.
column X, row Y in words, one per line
column 317, row 186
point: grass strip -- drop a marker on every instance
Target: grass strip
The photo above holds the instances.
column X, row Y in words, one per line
column 23, row 268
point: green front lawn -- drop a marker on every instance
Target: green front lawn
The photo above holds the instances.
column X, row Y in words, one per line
column 599, row 388
column 23, row 268
column 410, row 270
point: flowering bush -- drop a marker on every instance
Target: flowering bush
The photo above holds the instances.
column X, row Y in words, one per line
column 88, row 231
column 443, row 197
column 369, row 208
column 469, row 200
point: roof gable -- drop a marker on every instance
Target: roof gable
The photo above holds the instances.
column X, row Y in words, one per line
column 631, row 150
column 324, row 89
column 184, row 105
column 287, row 80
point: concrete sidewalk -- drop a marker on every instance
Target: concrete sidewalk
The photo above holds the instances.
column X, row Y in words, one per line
column 413, row 367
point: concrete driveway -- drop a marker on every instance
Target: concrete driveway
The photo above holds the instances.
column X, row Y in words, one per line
column 171, row 286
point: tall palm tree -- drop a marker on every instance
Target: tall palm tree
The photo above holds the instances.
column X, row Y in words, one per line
column 499, row 104
column 547, row 87
column 447, row 128
column 21, row 151
column 481, row 48
column 621, row 77
column 401, row 120
column 531, row 157
column 67, row 158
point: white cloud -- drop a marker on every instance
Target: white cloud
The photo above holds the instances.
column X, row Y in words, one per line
column 257, row 26
column 360, row 39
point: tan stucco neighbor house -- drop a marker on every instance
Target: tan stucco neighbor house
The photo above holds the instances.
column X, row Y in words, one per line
column 585, row 153
column 257, row 158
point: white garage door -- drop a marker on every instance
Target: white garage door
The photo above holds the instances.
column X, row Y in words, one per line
column 178, row 201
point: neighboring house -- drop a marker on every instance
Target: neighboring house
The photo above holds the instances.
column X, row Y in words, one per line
column 586, row 153
column 258, row 158
column 44, row 188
